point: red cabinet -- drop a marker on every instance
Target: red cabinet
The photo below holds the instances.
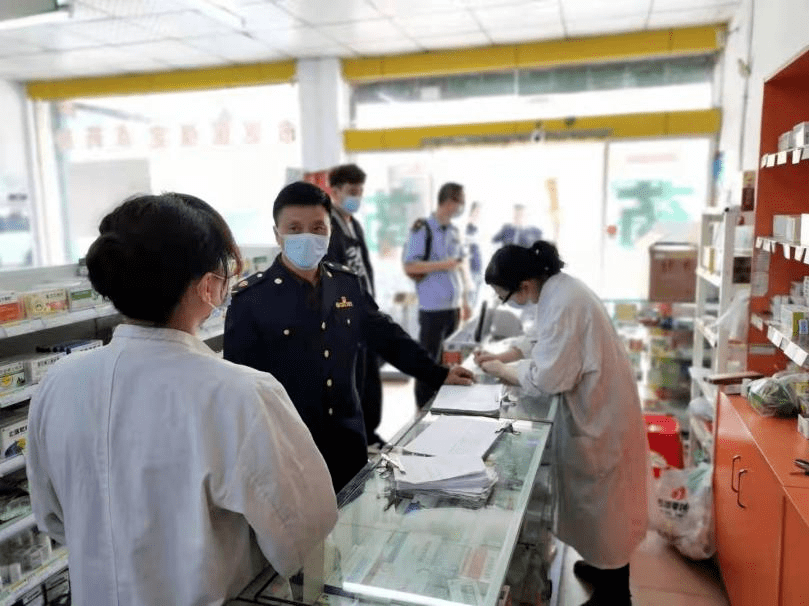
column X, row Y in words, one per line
column 794, row 583
column 748, row 505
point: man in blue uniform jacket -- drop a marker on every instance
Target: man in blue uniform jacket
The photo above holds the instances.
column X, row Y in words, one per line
column 305, row 321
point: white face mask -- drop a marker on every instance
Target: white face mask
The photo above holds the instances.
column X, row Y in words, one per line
column 305, row 251
column 218, row 311
column 351, row 204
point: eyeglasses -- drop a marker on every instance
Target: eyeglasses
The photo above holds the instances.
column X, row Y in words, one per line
column 507, row 297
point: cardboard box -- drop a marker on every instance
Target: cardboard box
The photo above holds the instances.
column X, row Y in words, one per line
column 800, row 134
column 785, row 141
column 36, row 365
column 10, row 308
column 81, row 296
column 12, row 375
column 45, row 301
column 13, row 434
column 786, row 227
column 672, row 272
column 791, row 316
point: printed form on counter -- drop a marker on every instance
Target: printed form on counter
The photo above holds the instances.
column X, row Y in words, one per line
column 460, row 399
column 456, row 435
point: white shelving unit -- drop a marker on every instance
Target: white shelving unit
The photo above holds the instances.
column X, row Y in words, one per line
column 719, row 281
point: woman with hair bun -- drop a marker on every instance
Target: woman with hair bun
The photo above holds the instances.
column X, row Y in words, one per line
column 599, row 436
column 172, row 476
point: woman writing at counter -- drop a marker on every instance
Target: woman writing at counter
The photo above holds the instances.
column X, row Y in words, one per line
column 599, row 437
column 173, row 476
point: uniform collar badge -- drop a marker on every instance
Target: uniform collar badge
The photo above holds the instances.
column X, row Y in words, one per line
column 343, row 303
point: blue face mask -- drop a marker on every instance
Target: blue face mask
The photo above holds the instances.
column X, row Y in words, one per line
column 351, row 204
column 305, row 251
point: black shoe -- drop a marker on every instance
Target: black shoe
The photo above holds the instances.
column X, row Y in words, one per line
column 586, row 572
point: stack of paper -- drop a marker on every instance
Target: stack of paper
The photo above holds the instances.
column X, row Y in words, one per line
column 456, row 436
column 459, row 399
column 462, row 476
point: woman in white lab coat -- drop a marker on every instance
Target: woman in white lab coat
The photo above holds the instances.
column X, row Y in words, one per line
column 599, row 437
column 172, row 475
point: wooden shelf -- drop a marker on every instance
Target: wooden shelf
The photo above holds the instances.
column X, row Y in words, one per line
column 9, row 595
column 16, row 526
column 12, row 464
column 24, row 327
column 790, row 156
column 18, row 396
column 795, row 349
column 709, row 333
column 790, row 250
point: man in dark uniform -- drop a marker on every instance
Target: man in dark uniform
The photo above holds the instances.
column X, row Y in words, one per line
column 347, row 247
column 305, row 321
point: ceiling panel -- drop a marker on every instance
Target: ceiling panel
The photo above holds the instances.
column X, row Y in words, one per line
column 519, row 16
column 604, row 9
column 454, row 41
column 385, row 47
column 452, row 23
column 342, row 11
column 266, row 16
column 718, row 14
column 362, row 31
column 593, row 27
column 293, row 37
column 133, row 8
column 331, row 50
column 235, row 47
column 181, row 24
column 511, row 35
column 110, row 31
column 52, row 37
column 689, row 5
column 174, row 53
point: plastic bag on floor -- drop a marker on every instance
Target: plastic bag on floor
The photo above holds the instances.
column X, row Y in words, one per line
column 683, row 513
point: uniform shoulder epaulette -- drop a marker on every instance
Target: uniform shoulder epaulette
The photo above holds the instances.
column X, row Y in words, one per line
column 247, row 282
column 418, row 224
column 339, row 267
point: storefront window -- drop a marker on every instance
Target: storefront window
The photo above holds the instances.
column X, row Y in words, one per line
column 234, row 148
column 530, row 94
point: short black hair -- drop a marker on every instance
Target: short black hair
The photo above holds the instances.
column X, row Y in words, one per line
column 150, row 249
column 300, row 193
column 449, row 191
column 512, row 264
column 346, row 173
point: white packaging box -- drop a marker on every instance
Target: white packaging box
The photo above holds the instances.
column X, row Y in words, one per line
column 12, row 375
column 45, row 301
column 36, row 365
column 800, row 134
column 785, row 141
column 804, row 229
column 803, row 426
column 12, row 431
column 779, row 226
column 80, row 295
column 791, row 315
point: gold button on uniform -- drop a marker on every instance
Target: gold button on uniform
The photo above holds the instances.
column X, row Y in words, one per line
column 258, row 275
column 286, row 331
column 331, row 411
column 323, row 326
column 278, row 280
column 326, row 354
column 329, row 382
column 348, row 321
column 328, row 273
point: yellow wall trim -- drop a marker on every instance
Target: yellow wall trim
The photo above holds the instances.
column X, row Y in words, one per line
column 160, row 82
column 663, row 124
column 637, row 45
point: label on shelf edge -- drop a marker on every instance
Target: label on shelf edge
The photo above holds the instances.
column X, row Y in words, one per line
column 759, row 241
column 787, row 249
column 782, row 158
column 757, row 321
column 12, row 330
column 770, row 160
column 800, row 251
column 763, row 161
column 797, row 153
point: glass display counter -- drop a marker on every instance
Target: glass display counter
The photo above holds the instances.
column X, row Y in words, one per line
column 421, row 549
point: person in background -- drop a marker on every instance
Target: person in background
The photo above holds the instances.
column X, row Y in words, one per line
column 347, row 247
column 472, row 244
column 306, row 321
column 599, row 437
column 441, row 283
column 517, row 232
column 172, row 476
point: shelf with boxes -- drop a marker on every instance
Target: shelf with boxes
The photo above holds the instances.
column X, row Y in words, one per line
column 793, row 147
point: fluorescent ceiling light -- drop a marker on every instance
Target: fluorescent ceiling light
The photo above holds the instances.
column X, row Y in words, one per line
column 17, row 15
column 223, row 11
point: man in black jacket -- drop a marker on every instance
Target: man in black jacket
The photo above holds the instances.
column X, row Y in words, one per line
column 348, row 247
column 305, row 321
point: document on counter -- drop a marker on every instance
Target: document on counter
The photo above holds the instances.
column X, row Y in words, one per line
column 460, row 399
column 459, row 475
column 456, row 435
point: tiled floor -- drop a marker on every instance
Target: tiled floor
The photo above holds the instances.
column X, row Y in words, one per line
column 660, row 576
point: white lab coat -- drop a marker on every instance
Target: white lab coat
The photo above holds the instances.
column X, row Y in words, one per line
column 172, row 474
column 599, row 436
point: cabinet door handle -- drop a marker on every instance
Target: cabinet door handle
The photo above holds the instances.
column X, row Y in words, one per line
column 739, row 489
column 733, row 472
